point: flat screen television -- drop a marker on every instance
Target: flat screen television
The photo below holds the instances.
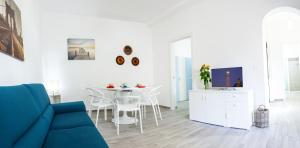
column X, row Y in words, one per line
column 227, row 77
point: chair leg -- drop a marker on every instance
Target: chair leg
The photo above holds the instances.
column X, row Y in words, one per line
column 141, row 122
column 142, row 108
column 90, row 112
column 118, row 125
column 145, row 111
column 105, row 113
column 115, row 117
column 135, row 117
column 154, row 111
column 158, row 108
column 97, row 117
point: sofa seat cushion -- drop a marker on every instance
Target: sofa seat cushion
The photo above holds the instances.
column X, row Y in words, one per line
column 71, row 120
column 79, row 137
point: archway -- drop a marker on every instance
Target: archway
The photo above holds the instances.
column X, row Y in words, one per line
column 281, row 37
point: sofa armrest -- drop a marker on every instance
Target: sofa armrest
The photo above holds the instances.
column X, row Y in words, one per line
column 69, row 107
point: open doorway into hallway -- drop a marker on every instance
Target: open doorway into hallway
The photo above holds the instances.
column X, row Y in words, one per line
column 181, row 65
column 282, row 39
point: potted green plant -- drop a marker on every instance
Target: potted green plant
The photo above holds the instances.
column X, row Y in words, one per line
column 205, row 75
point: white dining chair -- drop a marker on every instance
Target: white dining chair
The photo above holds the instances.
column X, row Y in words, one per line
column 99, row 101
column 150, row 99
column 128, row 104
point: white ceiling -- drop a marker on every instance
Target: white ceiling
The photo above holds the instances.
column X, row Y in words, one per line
column 129, row 10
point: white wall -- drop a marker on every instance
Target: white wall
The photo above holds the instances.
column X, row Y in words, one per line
column 110, row 37
column 224, row 34
column 14, row 71
column 182, row 48
column 292, row 50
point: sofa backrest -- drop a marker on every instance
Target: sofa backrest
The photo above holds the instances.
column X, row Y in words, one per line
column 39, row 94
column 25, row 115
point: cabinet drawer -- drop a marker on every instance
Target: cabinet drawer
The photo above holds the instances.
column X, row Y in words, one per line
column 236, row 97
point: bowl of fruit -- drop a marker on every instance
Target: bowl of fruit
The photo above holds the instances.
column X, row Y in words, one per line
column 110, row 86
column 140, row 86
column 124, row 85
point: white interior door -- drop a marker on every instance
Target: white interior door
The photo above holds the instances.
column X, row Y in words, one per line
column 294, row 74
column 180, row 48
column 276, row 72
column 181, row 79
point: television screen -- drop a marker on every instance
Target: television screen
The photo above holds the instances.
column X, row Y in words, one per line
column 227, row 77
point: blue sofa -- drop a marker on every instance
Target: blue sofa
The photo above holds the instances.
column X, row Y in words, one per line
column 28, row 120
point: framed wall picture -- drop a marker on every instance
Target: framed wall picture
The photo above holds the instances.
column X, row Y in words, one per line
column 81, row 49
column 11, row 37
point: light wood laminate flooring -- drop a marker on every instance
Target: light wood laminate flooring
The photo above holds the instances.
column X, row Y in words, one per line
column 176, row 130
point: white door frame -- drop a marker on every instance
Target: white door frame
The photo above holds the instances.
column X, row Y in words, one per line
column 172, row 68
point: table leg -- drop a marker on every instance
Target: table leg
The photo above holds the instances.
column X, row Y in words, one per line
column 125, row 119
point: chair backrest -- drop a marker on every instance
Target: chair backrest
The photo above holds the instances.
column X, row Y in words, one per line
column 97, row 95
column 151, row 94
column 95, row 91
column 150, row 91
column 155, row 88
column 128, row 100
column 154, row 94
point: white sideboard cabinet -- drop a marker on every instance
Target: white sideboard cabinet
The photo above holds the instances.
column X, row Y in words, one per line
column 229, row 108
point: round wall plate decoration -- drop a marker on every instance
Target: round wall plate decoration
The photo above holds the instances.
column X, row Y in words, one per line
column 135, row 61
column 120, row 60
column 127, row 50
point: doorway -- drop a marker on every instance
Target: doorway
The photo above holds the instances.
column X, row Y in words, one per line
column 282, row 38
column 292, row 60
column 294, row 74
column 181, row 63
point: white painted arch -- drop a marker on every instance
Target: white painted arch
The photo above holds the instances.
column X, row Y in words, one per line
column 274, row 77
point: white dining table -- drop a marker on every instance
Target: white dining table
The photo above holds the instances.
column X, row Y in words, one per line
column 125, row 119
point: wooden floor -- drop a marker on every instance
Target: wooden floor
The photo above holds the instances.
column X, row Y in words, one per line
column 176, row 130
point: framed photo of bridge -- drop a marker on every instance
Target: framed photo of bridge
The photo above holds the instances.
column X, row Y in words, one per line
column 11, row 39
column 81, row 49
